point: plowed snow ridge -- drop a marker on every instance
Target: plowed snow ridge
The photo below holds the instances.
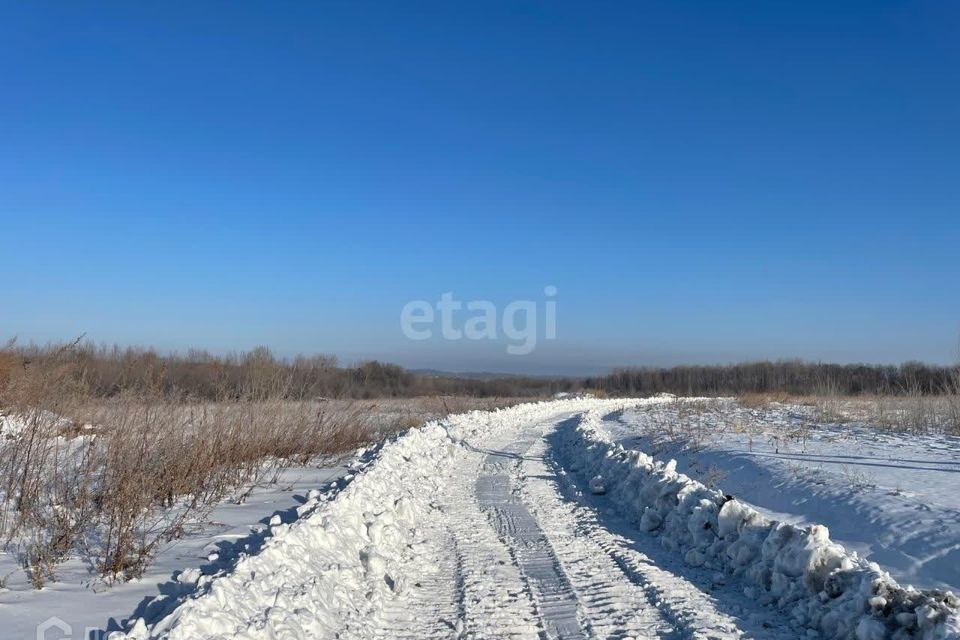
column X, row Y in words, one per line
column 483, row 526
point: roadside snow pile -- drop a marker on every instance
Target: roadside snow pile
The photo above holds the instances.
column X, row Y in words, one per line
column 328, row 570
column 816, row 581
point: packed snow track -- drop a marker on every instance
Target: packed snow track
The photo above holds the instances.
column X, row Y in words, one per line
column 525, row 523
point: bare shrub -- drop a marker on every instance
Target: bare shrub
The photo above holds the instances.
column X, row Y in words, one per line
column 755, row 400
column 150, row 468
column 952, row 401
column 913, row 413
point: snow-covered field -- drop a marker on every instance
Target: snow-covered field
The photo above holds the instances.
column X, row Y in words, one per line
column 892, row 497
column 531, row 522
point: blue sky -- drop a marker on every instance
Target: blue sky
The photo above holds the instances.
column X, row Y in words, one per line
column 702, row 181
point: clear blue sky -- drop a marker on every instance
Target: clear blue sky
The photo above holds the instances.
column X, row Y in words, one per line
column 702, row 181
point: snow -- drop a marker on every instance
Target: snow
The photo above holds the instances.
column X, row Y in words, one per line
column 14, row 424
column 336, row 570
column 596, row 485
column 891, row 497
column 527, row 522
column 814, row 580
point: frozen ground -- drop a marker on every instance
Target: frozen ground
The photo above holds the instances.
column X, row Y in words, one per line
column 893, row 497
column 531, row 523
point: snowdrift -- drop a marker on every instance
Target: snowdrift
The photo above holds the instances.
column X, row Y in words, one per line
column 832, row 592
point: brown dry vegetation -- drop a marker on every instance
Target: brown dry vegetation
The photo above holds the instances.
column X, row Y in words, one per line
column 908, row 413
column 114, row 476
column 916, row 413
column 754, row 400
column 258, row 375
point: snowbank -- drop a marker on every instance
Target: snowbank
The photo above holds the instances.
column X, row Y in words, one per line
column 327, row 570
column 816, row 581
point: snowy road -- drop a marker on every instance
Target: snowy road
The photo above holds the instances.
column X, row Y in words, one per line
column 486, row 527
column 577, row 578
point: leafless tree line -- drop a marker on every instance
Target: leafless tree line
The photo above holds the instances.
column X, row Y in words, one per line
column 106, row 371
column 790, row 377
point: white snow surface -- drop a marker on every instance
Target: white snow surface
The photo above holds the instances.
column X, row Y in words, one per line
column 890, row 496
column 799, row 569
column 527, row 522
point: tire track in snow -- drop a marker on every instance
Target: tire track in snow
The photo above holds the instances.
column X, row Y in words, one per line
column 615, row 605
column 515, row 550
column 496, row 599
column 488, row 570
column 693, row 612
column 555, row 601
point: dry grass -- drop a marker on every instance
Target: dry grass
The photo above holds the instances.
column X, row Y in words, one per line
column 907, row 412
column 148, row 468
column 914, row 413
column 764, row 400
column 595, row 392
column 125, row 474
